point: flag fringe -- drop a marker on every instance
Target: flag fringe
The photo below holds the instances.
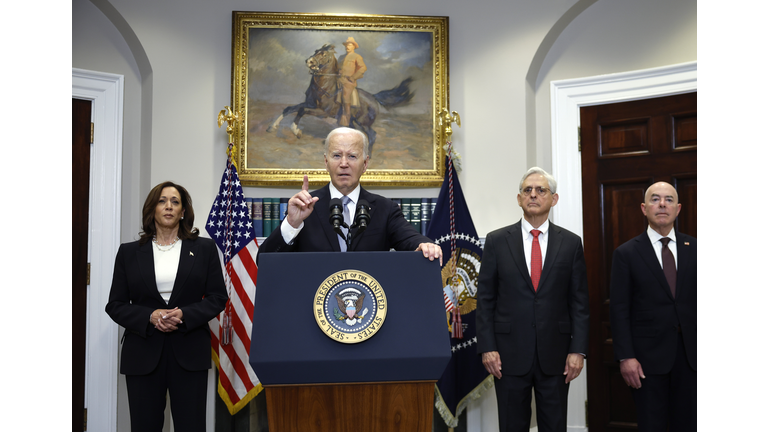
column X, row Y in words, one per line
column 451, row 420
column 234, row 408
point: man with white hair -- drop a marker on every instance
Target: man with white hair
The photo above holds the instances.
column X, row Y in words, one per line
column 306, row 227
column 533, row 310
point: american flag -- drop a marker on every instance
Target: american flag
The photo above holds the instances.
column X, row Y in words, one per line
column 230, row 225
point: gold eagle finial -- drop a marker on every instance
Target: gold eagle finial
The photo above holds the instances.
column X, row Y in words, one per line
column 446, row 118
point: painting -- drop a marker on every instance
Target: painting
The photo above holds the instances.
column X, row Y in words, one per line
column 296, row 77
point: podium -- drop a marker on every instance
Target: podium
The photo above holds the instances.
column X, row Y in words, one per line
column 381, row 377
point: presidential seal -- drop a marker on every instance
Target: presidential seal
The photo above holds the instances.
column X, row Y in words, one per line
column 350, row 306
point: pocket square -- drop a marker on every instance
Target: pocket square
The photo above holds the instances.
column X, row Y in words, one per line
column 191, row 254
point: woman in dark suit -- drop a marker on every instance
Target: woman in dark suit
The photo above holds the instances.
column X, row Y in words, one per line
column 165, row 289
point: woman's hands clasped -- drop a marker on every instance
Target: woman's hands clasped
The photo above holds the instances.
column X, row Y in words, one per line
column 166, row 320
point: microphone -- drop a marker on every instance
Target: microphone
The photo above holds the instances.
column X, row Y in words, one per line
column 362, row 217
column 337, row 214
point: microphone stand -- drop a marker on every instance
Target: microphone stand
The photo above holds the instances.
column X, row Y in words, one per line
column 362, row 219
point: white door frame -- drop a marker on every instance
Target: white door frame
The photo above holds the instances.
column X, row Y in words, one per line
column 106, row 93
column 567, row 96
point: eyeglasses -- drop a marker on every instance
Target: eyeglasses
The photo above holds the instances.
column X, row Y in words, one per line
column 541, row 191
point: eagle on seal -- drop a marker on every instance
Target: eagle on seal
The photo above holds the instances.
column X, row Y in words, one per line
column 351, row 306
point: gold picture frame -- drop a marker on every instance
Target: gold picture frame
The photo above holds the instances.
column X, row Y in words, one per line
column 401, row 93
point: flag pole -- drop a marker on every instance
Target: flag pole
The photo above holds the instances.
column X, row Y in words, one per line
column 237, row 383
column 446, row 118
column 232, row 118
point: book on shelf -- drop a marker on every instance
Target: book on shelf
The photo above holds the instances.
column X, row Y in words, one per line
column 424, row 215
column 275, row 214
column 267, row 221
column 257, row 212
column 432, row 205
column 283, row 209
column 405, row 206
column 416, row 213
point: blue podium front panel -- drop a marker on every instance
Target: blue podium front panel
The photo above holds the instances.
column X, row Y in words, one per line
column 306, row 302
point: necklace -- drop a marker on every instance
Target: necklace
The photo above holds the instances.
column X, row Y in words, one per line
column 158, row 245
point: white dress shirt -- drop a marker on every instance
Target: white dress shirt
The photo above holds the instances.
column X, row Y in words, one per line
column 166, row 267
column 657, row 246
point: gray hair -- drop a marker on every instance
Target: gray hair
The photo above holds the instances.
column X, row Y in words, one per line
column 536, row 170
column 340, row 130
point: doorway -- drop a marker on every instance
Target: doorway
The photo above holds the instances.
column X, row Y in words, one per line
column 626, row 147
column 105, row 91
column 568, row 96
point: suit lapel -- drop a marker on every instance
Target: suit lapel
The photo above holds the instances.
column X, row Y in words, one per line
column 189, row 253
column 147, row 268
column 515, row 243
column 372, row 200
column 554, row 242
column 646, row 252
column 684, row 260
column 323, row 213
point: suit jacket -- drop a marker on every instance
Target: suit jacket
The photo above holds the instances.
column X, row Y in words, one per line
column 644, row 316
column 515, row 320
column 387, row 230
column 198, row 291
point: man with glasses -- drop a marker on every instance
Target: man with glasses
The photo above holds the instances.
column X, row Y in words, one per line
column 653, row 316
column 533, row 310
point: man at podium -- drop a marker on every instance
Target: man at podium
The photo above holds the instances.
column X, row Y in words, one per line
column 377, row 225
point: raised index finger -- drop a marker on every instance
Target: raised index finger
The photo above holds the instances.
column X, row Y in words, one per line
column 305, row 186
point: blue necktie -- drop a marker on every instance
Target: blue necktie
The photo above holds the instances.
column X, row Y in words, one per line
column 347, row 220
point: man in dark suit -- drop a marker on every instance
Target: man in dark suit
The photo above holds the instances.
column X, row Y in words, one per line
column 653, row 316
column 306, row 227
column 531, row 319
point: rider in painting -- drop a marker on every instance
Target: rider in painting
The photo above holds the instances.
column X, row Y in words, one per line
column 352, row 69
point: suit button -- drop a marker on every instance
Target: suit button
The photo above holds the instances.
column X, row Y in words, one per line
column 533, row 325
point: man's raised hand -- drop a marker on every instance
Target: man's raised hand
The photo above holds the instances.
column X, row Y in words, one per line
column 301, row 205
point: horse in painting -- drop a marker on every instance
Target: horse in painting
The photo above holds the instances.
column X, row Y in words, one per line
column 321, row 101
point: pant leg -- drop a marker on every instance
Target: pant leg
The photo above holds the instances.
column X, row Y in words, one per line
column 652, row 403
column 147, row 397
column 551, row 400
column 682, row 402
column 513, row 397
column 188, row 392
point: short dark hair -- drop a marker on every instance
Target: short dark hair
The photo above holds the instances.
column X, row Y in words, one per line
column 187, row 231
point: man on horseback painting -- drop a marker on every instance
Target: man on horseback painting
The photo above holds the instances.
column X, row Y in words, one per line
column 333, row 92
column 352, row 69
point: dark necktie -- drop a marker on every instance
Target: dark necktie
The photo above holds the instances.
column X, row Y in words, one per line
column 347, row 220
column 668, row 263
column 535, row 260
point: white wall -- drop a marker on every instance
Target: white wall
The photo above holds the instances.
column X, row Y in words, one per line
column 98, row 46
column 188, row 47
column 175, row 96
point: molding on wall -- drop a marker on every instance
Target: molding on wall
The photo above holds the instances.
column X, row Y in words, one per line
column 567, row 96
column 106, row 92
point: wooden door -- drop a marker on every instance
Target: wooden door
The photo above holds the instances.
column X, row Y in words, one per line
column 81, row 166
column 626, row 147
